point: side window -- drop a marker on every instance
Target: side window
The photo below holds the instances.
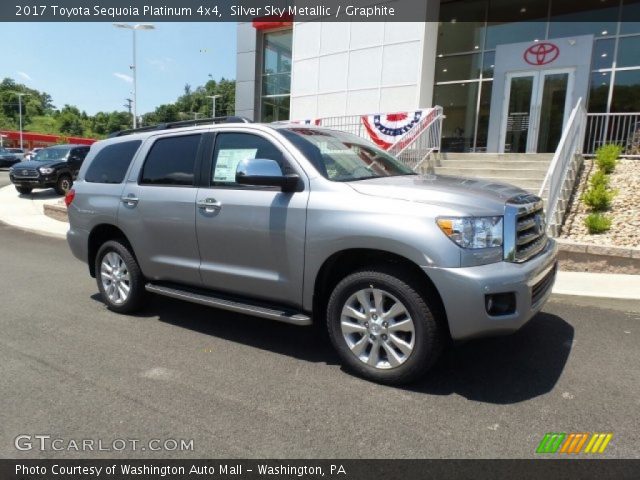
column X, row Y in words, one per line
column 111, row 163
column 233, row 148
column 171, row 161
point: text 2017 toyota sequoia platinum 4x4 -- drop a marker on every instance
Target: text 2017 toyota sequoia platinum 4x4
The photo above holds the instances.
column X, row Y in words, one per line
column 303, row 224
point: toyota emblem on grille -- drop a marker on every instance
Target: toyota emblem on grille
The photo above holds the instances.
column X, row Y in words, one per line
column 541, row 53
column 25, row 172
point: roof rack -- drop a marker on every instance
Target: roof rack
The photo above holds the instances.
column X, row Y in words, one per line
column 184, row 123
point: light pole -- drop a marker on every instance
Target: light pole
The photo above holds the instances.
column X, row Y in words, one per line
column 133, row 28
column 213, row 106
column 20, row 95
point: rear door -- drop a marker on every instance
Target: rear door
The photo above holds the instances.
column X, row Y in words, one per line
column 251, row 239
column 157, row 209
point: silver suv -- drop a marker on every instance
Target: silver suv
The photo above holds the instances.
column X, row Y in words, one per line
column 302, row 224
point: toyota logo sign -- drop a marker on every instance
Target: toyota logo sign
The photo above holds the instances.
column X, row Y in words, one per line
column 541, row 53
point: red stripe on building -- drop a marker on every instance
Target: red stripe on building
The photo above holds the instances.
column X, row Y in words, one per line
column 32, row 140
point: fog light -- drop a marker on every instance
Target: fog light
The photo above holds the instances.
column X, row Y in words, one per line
column 499, row 304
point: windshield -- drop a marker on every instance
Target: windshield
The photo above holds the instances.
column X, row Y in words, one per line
column 3, row 150
column 48, row 154
column 342, row 157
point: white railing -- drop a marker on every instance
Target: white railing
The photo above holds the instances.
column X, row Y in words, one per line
column 620, row 128
column 420, row 143
column 568, row 153
column 413, row 148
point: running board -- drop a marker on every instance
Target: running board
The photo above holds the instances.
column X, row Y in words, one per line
column 210, row 300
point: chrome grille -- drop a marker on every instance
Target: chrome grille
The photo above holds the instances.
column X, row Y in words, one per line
column 25, row 173
column 525, row 228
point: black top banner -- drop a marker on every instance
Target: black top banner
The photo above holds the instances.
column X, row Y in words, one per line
column 588, row 469
column 318, row 10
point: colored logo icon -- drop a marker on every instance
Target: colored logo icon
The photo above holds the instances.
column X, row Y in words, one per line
column 541, row 53
column 574, row 443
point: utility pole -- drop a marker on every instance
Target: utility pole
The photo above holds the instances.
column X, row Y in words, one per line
column 134, row 28
column 213, row 104
column 20, row 95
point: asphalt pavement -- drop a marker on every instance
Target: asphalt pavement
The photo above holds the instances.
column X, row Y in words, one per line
column 245, row 387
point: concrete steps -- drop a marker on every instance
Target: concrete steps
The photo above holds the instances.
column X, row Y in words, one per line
column 526, row 171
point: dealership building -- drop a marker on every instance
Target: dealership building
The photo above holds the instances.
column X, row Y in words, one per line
column 504, row 86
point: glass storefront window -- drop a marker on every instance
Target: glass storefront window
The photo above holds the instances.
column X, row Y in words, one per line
column 458, row 67
column 603, row 51
column 275, row 108
column 488, row 64
column 276, row 75
column 626, row 92
column 629, row 52
column 483, row 117
column 599, row 92
column 459, row 102
column 461, row 36
column 596, row 17
column 498, row 34
column 630, row 9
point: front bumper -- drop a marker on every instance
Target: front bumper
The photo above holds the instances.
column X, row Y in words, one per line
column 463, row 292
column 47, row 181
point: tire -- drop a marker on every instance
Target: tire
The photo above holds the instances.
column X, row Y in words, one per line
column 63, row 184
column 403, row 351
column 23, row 190
column 115, row 253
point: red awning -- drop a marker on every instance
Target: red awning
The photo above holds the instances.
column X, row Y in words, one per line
column 46, row 138
column 272, row 21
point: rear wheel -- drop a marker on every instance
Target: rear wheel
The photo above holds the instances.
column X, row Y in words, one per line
column 63, row 185
column 24, row 190
column 119, row 278
column 382, row 327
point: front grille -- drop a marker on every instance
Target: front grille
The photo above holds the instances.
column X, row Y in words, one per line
column 540, row 289
column 25, row 173
column 525, row 228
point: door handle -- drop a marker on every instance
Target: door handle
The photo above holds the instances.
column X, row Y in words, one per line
column 130, row 200
column 209, row 205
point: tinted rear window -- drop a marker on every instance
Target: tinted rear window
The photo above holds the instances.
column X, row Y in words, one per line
column 171, row 161
column 111, row 163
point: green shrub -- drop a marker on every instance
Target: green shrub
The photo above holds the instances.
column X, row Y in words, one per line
column 607, row 157
column 597, row 223
column 599, row 178
column 598, row 197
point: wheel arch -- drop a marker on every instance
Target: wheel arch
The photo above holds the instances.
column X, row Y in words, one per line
column 99, row 235
column 344, row 262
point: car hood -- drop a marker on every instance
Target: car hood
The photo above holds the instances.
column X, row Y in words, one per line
column 473, row 196
column 34, row 164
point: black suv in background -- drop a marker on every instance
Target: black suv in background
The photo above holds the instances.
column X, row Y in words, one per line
column 8, row 158
column 53, row 167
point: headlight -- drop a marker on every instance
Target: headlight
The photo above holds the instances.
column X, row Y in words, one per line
column 473, row 232
column 45, row 170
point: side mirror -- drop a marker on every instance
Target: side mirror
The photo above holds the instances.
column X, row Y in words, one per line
column 267, row 173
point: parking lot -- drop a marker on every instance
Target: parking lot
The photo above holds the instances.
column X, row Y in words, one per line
column 245, row 387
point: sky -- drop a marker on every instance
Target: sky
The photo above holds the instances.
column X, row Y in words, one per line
column 87, row 64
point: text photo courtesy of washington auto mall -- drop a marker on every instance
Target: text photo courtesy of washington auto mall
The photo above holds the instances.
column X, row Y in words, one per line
column 342, row 239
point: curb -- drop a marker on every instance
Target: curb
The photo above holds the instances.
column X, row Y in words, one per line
column 610, row 251
column 57, row 212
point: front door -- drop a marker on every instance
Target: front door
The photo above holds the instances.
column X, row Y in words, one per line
column 251, row 239
column 536, row 108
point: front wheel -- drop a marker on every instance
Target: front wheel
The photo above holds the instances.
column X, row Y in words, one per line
column 119, row 278
column 382, row 327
